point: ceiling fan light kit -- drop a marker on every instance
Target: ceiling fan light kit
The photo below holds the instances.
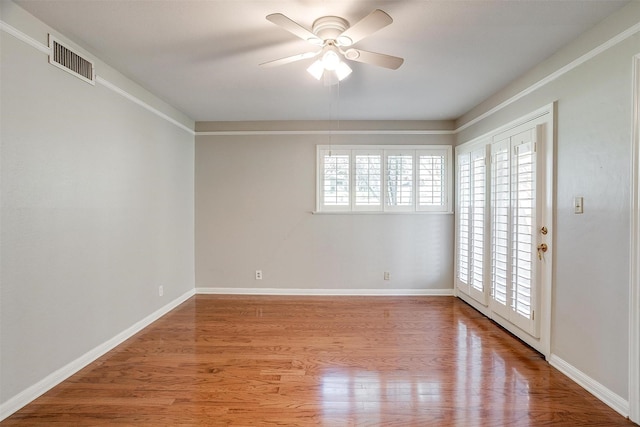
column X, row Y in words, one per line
column 316, row 69
column 332, row 33
column 330, row 62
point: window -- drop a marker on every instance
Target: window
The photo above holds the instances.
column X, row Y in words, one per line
column 368, row 180
column 431, row 179
column 335, row 182
column 372, row 178
column 400, row 180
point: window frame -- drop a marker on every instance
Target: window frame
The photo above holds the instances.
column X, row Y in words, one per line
column 415, row 151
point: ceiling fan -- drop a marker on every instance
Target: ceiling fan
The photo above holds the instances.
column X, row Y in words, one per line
column 335, row 37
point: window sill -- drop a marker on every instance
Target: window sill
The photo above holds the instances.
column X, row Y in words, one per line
column 380, row 213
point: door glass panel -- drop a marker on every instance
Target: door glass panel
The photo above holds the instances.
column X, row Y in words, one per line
column 478, row 203
column 464, row 207
column 523, row 202
column 500, row 192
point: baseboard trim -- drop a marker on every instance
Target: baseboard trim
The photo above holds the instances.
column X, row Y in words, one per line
column 616, row 402
column 33, row 392
column 325, row 292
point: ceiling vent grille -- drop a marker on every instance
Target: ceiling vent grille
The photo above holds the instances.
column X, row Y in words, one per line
column 66, row 59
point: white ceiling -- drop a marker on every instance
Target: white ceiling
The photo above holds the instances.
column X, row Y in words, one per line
column 202, row 56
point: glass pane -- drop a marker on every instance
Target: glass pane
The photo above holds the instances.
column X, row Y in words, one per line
column 431, row 181
column 522, row 194
column 478, row 208
column 464, row 206
column 400, row 180
column 500, row 226
column 336, row 180
column 368, row 179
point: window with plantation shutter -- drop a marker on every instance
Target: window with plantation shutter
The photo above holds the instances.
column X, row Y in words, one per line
column 432, row 180
column 384, row 178
column 368, row 180
column 335, row 186
column 400, row 180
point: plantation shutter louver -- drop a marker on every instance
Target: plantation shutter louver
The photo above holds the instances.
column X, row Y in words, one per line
column 513, row 189
column 368, row 180
column 432, row 180
column 464, row 220
column 472, row 201
column 478, row 200
column 523, row 202
column 336, row 175
column 400, row 180
column 500, row 200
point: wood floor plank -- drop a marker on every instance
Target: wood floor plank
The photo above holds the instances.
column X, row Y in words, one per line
column 298, row 361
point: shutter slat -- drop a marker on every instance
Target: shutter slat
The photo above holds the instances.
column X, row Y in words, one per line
column 464, row 253
column 399, row 180
column 368, row 179
column 336, row 180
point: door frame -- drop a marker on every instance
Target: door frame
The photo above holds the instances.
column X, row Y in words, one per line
column 634, row 282
column 544, row 117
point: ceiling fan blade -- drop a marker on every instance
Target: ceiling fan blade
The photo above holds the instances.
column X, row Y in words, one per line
column 294, row 28
column 289, row 59
column 368, row 25
column 379, row 59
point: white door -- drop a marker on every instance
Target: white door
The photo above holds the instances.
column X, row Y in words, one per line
column 515, row 256
column 472, row 223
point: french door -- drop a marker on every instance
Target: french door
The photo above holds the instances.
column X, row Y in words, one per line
column 514, row 290
column 503, row 263
column 472, row 218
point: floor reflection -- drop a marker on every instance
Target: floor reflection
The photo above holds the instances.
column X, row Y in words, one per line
column 370, row 394
column 482, row 378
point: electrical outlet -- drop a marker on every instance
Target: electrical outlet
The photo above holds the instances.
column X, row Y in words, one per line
column 160, row 290
column 258, row 274
column 387, row 275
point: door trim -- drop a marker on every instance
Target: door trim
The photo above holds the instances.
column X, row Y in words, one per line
column 634, row 283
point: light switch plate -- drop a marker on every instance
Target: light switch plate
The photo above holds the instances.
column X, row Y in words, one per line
column 578, row 205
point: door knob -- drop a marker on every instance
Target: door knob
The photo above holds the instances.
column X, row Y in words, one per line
column 542, row 247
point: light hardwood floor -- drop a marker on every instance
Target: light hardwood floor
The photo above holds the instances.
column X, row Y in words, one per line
column 339, row 361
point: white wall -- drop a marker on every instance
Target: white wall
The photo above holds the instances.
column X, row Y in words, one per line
column 254, row 200
column 97, row 210
column 594, row 122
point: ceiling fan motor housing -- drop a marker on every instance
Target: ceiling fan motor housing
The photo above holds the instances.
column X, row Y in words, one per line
column 329, row 27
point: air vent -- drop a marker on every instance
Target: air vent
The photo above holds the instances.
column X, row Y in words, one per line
column 66, row 59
